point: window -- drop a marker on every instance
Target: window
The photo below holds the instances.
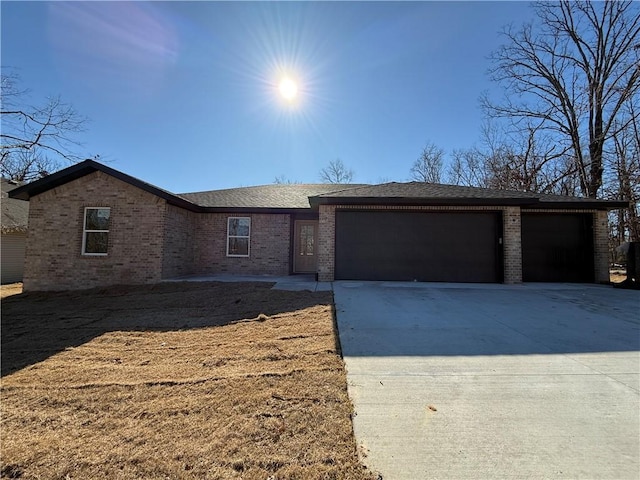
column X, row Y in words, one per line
column 238, row 232
column 95, row 232
column 306, row 240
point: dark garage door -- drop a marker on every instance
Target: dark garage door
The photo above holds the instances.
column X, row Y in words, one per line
column 427, row 247
column 557, row 247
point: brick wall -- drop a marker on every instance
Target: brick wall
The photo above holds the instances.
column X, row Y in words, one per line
column 326, row 243
column 54, row 242
column 148, row 239
column 601, row 246
column 269, row 245
column 178, row 249
column 512, row 244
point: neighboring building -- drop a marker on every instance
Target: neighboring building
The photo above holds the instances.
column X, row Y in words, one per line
column 91, row 225
column 15, row 214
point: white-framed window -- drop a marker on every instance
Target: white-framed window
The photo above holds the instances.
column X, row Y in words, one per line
column 238, row 236
column 95, row 230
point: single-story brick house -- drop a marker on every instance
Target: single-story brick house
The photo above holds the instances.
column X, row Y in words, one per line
column 91, row 225
column 15, row 215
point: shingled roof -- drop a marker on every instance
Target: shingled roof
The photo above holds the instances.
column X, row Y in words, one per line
column 420, row 193
column 291, row 197
column 15, row 213
column 279, row 196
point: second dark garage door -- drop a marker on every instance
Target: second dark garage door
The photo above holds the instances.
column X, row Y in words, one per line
column 421, row 246
column 557, row 247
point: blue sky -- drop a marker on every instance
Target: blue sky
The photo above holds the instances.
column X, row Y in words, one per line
column 184, row 95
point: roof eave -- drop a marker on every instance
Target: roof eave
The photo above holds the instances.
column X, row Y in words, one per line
column 438, row 202
column 25, row 192
column 79, row 170
column 460, row 201
column 257, row 210
column 585, row 205
column 13, row 229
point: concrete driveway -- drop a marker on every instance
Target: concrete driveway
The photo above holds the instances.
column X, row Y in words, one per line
column 493, row 381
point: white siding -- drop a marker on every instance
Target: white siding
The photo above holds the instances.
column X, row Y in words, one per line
column 12, row 256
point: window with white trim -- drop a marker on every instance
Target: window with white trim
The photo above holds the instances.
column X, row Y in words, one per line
column 95, row 230
column 238, row 235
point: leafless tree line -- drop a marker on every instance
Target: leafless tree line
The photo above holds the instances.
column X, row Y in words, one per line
column 35, row 140
column 529, row 160
column 568, row 122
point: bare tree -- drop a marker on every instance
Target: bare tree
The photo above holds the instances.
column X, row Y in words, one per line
column 530, row 160
column 525, row 160
column 283, row 180
column 35, row 140
column 428, row 166
column 336, row 172
column 627, row 157
column 467, row 168
column 572, row 72
column 623, row 182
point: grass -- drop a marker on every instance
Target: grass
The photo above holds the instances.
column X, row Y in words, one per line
column 176, row 380
column 10, row 289
column 617, row 276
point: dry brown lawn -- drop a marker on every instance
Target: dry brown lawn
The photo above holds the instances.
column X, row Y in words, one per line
column 175, row 380
column 10, row 289
column 617, row 276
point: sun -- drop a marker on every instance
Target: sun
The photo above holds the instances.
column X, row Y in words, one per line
column 288, row 89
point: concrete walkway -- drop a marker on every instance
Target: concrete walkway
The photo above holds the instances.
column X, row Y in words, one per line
column 493, row 381
column 286, row 282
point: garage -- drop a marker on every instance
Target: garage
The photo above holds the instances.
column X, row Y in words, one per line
column 557, row 247
column 418, row 246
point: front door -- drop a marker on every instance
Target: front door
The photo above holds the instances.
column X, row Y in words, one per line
column 304, row 250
